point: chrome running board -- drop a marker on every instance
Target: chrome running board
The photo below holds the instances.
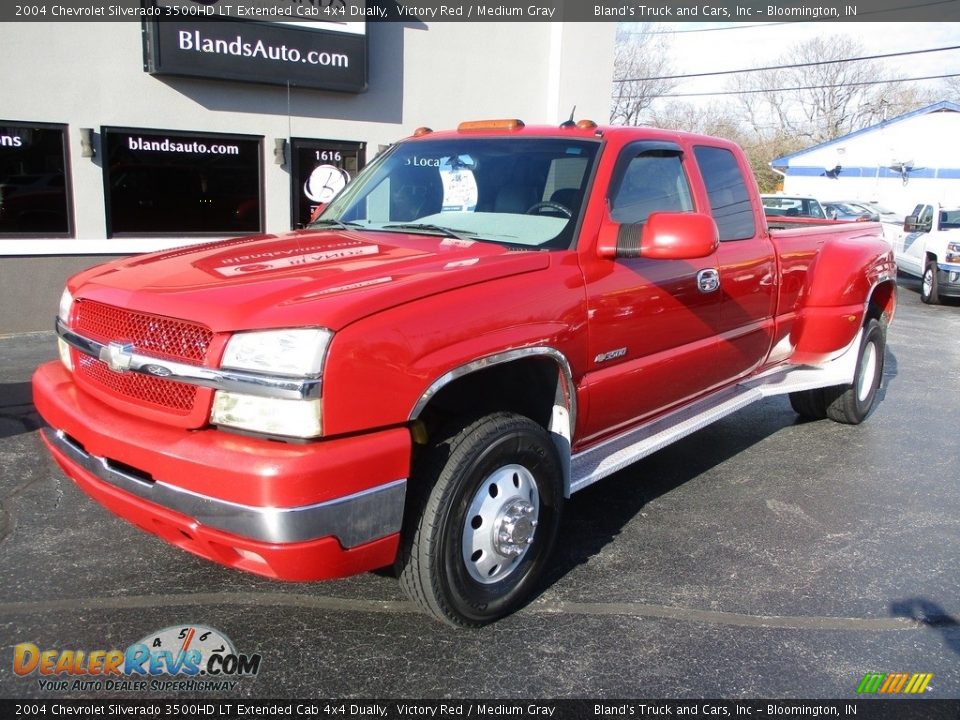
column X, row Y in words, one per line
column 609, row 456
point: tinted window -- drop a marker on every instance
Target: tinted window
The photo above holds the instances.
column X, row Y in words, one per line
column 653, row 182
column 727, row 190
column 33, row 188
column 181, row 183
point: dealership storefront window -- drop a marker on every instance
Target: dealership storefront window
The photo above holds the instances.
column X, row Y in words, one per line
column 159, row 182
column 321, row 168
column 34, row 192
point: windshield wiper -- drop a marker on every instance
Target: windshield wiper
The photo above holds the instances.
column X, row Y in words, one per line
column 430, row 227
column 337, row 223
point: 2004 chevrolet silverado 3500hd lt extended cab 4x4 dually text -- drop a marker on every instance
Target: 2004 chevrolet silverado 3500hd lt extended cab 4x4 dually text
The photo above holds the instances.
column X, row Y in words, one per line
column 484, row 322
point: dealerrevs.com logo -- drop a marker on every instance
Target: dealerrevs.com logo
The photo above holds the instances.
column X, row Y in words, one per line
column 178, row 658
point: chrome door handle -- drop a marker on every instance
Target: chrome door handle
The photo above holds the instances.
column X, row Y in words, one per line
column 708, row 280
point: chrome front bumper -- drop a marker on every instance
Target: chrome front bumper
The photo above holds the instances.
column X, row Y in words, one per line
column 354, row 520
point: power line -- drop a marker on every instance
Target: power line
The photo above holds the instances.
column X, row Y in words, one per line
column 807, row 87
column 790, row 67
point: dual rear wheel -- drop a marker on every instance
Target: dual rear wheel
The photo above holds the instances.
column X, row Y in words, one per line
column 849, row 404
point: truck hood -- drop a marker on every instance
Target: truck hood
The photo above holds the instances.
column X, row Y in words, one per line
column 324, row 278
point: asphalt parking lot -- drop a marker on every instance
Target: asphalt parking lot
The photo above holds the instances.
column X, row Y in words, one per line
column 760, row 557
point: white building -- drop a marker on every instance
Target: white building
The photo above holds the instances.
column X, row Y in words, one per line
column 900, row 162
column 125, row 137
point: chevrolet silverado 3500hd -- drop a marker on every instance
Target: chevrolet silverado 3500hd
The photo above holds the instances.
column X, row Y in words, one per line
column 484, row 322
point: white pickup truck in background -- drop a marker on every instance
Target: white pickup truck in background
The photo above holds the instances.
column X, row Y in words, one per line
column 929, row 248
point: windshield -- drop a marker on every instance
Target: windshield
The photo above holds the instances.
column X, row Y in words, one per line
column 514, row 191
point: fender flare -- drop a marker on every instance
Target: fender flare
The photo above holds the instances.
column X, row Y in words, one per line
column 563, row 419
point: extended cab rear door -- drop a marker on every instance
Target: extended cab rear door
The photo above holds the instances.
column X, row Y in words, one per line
column 746, row 258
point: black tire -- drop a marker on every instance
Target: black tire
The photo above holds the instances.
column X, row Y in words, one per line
column 929, row 287
column 852, row 403
column 453, row 488
column 848, row 404
column 809, row 404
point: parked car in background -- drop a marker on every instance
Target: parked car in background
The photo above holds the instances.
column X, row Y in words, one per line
column 848, row 211
column 929, row 248
column 792, row 206
column 884, row 214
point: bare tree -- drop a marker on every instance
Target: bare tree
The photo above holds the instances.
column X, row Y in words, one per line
column 640, row 56
column 818, row 102
column 760, row 144
column 950, row 89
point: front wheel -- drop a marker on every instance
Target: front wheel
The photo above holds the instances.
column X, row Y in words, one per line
column 929, row 287
column 483, row 521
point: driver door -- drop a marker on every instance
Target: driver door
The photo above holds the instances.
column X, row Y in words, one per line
column 652, row 323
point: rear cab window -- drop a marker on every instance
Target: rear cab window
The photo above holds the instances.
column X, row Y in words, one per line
column 727, row 192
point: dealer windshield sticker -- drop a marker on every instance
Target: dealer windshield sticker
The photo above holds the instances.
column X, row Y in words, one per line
column 178, row 658
column 459, row 185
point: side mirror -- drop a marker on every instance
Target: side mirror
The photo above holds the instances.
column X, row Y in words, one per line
column 664, row 236
column 912, row 224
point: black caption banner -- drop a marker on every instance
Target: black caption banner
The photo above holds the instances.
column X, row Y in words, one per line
column 352, row 11
column 902, row 709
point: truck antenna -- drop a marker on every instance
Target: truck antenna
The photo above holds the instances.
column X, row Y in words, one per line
column 569, row 123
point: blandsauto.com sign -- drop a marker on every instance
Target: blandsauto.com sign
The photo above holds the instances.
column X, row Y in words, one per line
column 305, row 52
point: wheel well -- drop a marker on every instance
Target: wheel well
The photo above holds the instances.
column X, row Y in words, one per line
column 528, row 386
column 882, row 302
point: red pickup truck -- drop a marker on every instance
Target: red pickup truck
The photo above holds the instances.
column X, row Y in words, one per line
column 484, row 322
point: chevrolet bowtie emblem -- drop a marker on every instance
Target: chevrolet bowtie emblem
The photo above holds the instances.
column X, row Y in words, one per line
column 117, row 356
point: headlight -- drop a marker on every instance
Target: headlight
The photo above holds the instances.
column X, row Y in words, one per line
column 278, row 352
column 66, row 301
column 953, row 252
column 297, row 353
column 273, row 416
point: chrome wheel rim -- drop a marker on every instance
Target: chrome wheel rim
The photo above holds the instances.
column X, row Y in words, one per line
column 500, row 524
column 868, row 371
column 928, row 282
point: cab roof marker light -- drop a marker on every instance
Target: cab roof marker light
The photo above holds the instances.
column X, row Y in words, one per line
column 422, row 130
column 501, row 124
column 586, row 124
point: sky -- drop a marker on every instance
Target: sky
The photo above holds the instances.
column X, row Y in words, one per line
column 739, row 46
